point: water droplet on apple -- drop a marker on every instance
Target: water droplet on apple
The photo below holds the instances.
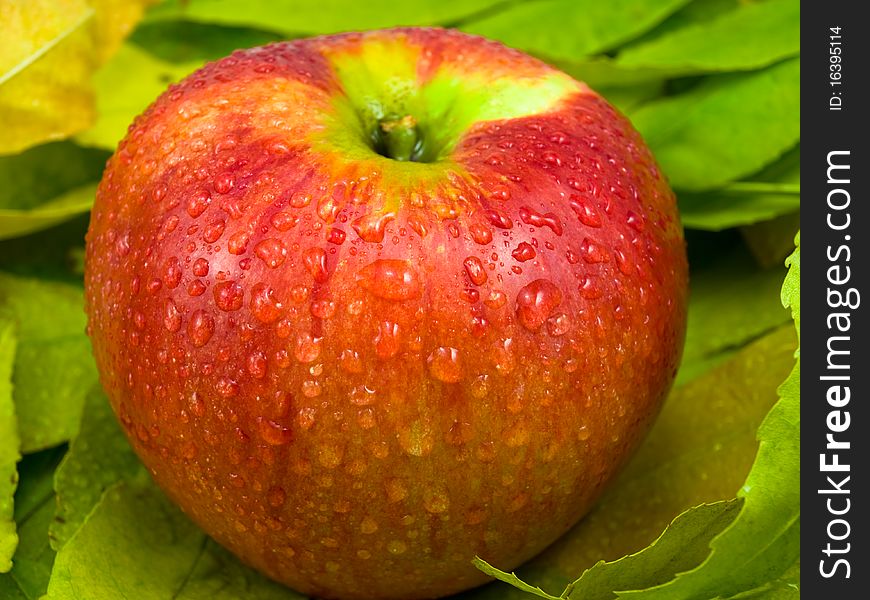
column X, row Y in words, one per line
column 226, row 387
column 396, row 547
column 271, row 251
column 276, row 497
column 200, row 328
column 368, row 525
column 223, row 183
column 336, row 236
column 390, row 279
column 214, row 230
column 171, row 316
column 350, row 362
column 283, row 221
column 436, row 500
column 536, row 302
column 387, row 340
column 315, row 263
column 200, row 267
column 257, row 364
column 530, row 217
column 585, row 211
column 592, row 251
column 172, row 273
column 307, row 348
column 396, row 490
column 229, row 295
column 444, row 365
column 480, row 233
column 310, row 388
column 475, row 270
column 558, row 324
column 371, row 227
column 523, row 252
column 273, row 433
column 264, row 306
column 362, row 396
column 198, row 203
column 323, row 309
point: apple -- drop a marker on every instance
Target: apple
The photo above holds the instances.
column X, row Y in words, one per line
column 368, row 305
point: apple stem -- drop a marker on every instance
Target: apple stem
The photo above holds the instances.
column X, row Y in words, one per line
column 400, row 137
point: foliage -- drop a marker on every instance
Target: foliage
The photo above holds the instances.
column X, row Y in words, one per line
column 704, row 510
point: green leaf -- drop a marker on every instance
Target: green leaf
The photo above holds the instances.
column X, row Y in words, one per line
column 731, row 302
column 34, row 510
column 724, row 128
column 125, row 86
column 46, row 61
column 785, row 587
column 767, row 32
column 46, row 185
column 135, row 539
column 98, row 457
column 684, row 544
column 320, row 16
column 771, row 241
column 772, row 192
column 9, row 443
column 54, row 368
column 191, row 42
column 764, row 541
column 572, row 29
column 699, row 451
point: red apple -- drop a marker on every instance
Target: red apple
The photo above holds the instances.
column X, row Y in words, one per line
column 369, row 305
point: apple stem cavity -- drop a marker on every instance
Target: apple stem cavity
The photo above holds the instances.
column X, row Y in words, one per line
column 399, row 138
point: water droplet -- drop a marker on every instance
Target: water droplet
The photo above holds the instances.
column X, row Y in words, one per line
column 444, row 365
column 336, row 236
column 196, row 404
column 371, row 227
column 214, row 230
column 172, row 273
column 387, row 340
column 558, row 324
column 300, row 200
column 226, row 387
column 536, row 302
column 362, row 396
column 272, row 252
column 588, row 289
column 496, row 299
column 436, row 500
column 523, row 252
column 315, row 263
column 390, row 279
column 368, row 525
column 350, row 362
column 238, row 243
column 198, row 203
column 264, row 306
column 573, row 257
column 307, row 348
column 396, row 490
column 229, row 295
column 310, row 388
column 475, row 270
column 200, row 267
column 585, row 211
column 327, row 209
column 622, row 262
column 498, row 219
column 283, row 221
column 480, row 233
column 583, row 433
column 530, row 217
column 200, row 328
column 323, row 309
column 592, row 252
column 171, row 316
column 480, row 387
column 223, row 183
column 330, row 456
column 417, row 439
column 634, row 221
column 274, row 433
column 257, row 364
column 396, row 547
column 276, row 497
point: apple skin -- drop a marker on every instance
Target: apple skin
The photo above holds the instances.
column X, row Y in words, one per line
column 358, row 373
